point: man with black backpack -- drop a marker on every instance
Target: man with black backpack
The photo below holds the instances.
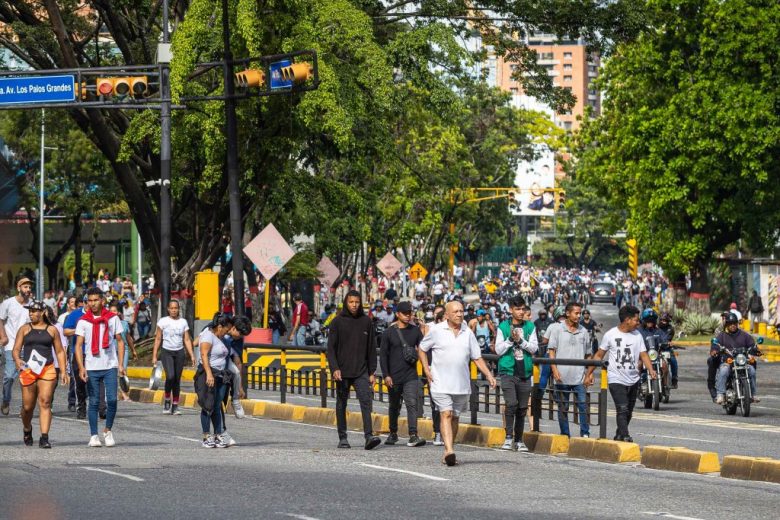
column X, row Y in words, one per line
column 398, row 358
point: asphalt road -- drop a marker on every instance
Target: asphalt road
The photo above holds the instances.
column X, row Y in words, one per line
column 289, row 470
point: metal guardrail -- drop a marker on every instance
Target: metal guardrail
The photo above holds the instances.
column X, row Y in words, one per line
column 317, row 382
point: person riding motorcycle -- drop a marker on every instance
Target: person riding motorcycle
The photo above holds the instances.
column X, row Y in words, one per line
column 592, row 327
column 541, row 324
column 649, row 319
column 735, row 340
column 666, row 325
column 483, row 326
column 470, row 313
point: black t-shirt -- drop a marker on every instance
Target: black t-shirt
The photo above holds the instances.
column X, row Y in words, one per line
column 390, row 294
column 391, row 357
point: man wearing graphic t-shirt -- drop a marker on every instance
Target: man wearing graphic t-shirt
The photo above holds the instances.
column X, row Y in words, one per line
column 626, row 349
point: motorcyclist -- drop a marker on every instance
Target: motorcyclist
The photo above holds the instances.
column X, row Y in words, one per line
column 735, row 340
column 542, row 323
column 470, row 313
column 559, row 315
column 649, row 319
column 592, row 327
column 483, row 326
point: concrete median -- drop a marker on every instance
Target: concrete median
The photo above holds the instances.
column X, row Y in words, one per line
column 616, row 452
column 546, row 443
column 680, row 459
column 751, row 468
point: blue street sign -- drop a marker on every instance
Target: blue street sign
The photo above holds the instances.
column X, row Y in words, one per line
column 276, row 75
column 37, row 89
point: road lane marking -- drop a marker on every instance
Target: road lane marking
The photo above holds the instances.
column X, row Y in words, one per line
column 299, row 517
column 670, row 515
column 413, row 473
column 114, row 473
column 678, row 438
column 187, row 439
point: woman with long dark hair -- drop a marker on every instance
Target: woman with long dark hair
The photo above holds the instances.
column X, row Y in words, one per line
column 36, row 345
column 212, row 379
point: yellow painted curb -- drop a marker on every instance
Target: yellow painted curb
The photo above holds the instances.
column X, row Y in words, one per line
column 551, row 444
column 691, row 461
column 319, row 416
column 739, row 466
column 480, row 435
column 530, row 439
column 581, row 448
column 767, row 470
column 655, row 457
column 188, row 400
column 616, row 452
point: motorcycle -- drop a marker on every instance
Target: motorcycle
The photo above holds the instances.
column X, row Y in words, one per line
column 738, row 392
column 653, row 390
column 314, row 337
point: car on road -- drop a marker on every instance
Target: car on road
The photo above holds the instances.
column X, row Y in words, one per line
column 604, row 292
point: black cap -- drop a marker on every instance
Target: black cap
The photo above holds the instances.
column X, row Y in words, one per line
column 405, row 307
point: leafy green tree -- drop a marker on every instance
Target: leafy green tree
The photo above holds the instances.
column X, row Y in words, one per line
column 687, row 145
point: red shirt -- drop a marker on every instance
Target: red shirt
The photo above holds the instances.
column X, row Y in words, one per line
column 302, row 312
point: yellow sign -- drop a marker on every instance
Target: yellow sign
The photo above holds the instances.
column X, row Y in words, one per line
column 418, row 272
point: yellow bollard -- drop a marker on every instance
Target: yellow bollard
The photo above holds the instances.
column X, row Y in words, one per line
column 761, row 328
column 746, row 325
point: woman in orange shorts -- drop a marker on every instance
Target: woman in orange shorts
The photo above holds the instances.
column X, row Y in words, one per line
column 36, row 345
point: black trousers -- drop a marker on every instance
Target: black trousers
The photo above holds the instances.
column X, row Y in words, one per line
column 713, row 363
column 365, row 395
column 173, row 363
column 516, row 392
column 408, row 392
column 625, row 399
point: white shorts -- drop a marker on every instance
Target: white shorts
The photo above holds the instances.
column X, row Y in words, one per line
column 456, row 403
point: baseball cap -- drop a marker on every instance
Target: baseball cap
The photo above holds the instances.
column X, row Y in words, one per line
column 23, row 280
column 404, row 307
column 481, row 312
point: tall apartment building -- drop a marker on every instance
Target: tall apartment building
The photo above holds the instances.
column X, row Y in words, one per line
column 571, row 66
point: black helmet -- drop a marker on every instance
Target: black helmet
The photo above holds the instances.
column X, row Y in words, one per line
column 731, row 319
column 586, row 312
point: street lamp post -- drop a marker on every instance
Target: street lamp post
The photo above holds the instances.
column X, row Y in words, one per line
column 39, row 281
column 165, row 169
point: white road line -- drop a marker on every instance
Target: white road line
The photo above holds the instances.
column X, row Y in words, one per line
column 299, row 517
column 670, row 515
column 128, row 477
column 413, row 473
column 678, row 438
column 186, row 439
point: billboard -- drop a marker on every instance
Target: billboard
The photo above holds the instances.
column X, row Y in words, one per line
column 535, row 180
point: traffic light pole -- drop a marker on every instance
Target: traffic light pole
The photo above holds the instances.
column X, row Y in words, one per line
column 234, row 197
column 165, row 173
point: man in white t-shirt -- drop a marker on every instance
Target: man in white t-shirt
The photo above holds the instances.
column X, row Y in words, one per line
column 13, row 314
column 99, row 347
column 626, row 349
column 453, row 346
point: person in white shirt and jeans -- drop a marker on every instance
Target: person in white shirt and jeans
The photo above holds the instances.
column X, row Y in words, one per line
column 101, row 332
column 13, row 314
column 453, row 345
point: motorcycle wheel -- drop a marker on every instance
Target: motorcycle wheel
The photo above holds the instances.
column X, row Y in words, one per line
column 648, row 401
column 657, row 395
column 731, row 409
column 745, row 403
column 666, row 397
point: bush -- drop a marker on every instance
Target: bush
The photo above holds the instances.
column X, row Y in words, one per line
column 699, row 324
column 678, row 316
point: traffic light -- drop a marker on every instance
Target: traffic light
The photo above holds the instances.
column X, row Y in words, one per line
column 560, row 199
column 250, row 78
column 297, row 72
column 633, row 257
column 134, row 86
column 84, row 94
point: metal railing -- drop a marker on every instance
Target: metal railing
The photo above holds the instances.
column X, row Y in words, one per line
column 316, row 381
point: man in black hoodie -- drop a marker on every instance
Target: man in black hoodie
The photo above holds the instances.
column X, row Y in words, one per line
column 352, row 360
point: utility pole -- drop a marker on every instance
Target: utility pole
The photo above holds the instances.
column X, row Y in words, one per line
column 236, row 234
column 165, row 166
column 39, row 281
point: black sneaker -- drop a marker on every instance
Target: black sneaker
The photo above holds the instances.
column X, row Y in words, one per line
column 674, row 384
column 343, row 443
column 415, row 442
column 71, row 407
column 28, row 438
column 81, row 415
column 391, row 439
column 628, row 438
column 102, row 414
column 372, row 442
column 43, row 442
column 167, row 407
column 5, row 408
column 175, row 409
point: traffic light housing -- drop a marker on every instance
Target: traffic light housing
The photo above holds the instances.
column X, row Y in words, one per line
column 297, row 72
column 133, row 86
column 250, row 78
column 633, row 257
column 560, row 199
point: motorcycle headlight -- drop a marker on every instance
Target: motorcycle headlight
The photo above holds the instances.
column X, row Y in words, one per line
column 741, row 360
column 653, row 354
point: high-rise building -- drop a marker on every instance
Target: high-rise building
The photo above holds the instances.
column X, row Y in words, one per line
column 571, row 66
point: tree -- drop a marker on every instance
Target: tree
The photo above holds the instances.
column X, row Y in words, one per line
column 688, row 141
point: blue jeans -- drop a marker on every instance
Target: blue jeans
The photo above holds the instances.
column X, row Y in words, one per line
column 275, row 337
column 215, row 417
column 562, row 396
column 723, row 376
column 9, row 375
column 673, row 365
column 109, row 379
column 300, row 337
column 143, row 329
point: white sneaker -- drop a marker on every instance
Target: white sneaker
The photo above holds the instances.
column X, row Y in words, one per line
column 94, row 442
column 228, row 439
column 507, row 444
column 108, row 439
column 519, row 446
column 437, row 440
column 720, row 399
column 238, row 409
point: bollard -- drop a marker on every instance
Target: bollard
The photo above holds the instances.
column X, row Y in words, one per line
column 245, row 373
column 283, row 378
column 474, row 402
column 323, row 382
column 603, row 404
column 536, row 401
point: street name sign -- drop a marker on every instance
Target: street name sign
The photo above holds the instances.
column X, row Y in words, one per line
column 37, row 89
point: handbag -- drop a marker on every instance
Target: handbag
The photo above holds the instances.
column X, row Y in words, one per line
column 409, row 353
